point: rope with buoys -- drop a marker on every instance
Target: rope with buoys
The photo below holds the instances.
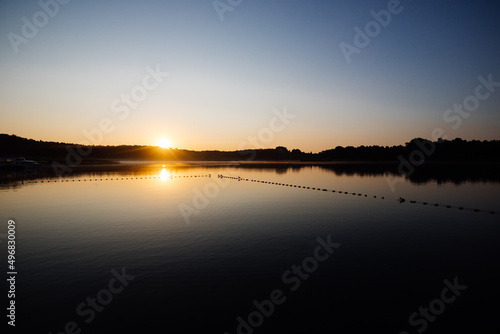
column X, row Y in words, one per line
column 293, row 186
column 112, row 179
column 400, row 200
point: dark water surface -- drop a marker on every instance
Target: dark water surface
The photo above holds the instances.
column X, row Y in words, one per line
column 174, row 247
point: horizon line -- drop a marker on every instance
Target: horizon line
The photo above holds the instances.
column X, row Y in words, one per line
column 243, row 150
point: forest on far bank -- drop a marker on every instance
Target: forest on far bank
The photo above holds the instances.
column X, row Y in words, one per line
column 416, row 150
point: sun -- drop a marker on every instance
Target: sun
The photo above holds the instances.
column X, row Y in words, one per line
column 164, row 143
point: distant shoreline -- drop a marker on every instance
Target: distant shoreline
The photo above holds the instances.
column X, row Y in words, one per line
column 416, row 152
column 267, row 163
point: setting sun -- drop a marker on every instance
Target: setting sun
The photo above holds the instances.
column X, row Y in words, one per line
column 164, row 143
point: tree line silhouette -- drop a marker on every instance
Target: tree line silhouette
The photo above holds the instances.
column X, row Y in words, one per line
column 456, row 150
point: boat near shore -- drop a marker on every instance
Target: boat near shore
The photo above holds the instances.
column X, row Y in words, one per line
column 18, row 163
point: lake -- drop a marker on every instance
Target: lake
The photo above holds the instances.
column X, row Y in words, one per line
column 253, row 248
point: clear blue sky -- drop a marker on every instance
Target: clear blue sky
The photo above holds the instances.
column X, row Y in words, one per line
column 227, row 76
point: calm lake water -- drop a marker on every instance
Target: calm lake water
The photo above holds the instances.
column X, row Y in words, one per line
column 127, row 249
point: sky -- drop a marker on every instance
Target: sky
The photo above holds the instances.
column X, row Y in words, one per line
column 234, row 74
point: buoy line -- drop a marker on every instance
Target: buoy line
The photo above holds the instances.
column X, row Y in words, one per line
column 93, row 179
column 400, row 199
column 452, row 207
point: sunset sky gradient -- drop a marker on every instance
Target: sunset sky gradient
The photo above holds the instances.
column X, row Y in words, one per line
column 227, row 76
